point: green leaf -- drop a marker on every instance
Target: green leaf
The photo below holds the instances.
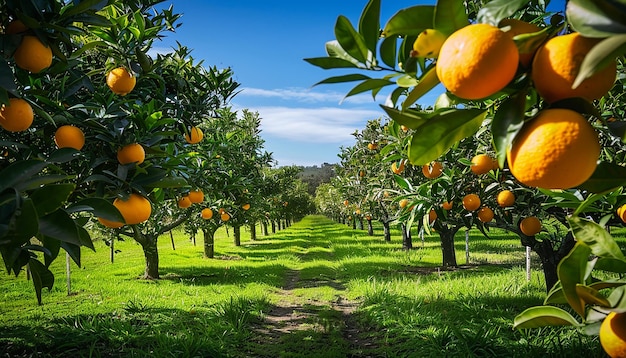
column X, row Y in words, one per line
column 367, row 85
column 496, row 10
column 26, row 222
column 330, row 62
column 334, row 49
column 595, row 237
column 410, row 21
column 541, row 316
column 78, row 7
column 344, row 78
column 611, row 265
column 369, row 24
column 169, row 182
column 99, row 207
column 598, row 18
column 571, row 271
column 591, row 296
column 441, row 132
column 450, row 15
column 409, row 118
column 60, row 226
column 601, row 55
column 427, row 82
column 19, row 172
column 49, row 198
column 507, row 122
column 53, row 246
column 42, row 277
column 7, row 81
column 73, row 251
column 389, row 51
column 351, row 41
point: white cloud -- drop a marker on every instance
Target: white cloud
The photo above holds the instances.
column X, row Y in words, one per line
column 305, row 95
column 314, row 125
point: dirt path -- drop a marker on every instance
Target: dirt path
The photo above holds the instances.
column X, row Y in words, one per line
column 294, row 316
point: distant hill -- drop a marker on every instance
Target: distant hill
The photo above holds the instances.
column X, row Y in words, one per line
column 315, row 175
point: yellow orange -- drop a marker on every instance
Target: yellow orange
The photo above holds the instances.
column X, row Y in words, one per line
column 557, row 63
column 397, row 168
column 206, row 213
column 519, row 27
column 477, row 61
column 196, row 196
column 69, row 136
column 485, row 214
column 558, row 149
column 432, row 170
column 17, row 116
column 245, row 207
column 447, row 205
column 481, row 164
column 32, row 54
column 372, row 146
column 131, row 153
column 530, row 226
column 613, row 334
column 184, row 202
column 432, row 216
column 135, row 209
column 120, row 81
column 403, row 203
column 505, row 198
column 225, row 216
column 194, row 136
column 621, row 213
column 471, row 202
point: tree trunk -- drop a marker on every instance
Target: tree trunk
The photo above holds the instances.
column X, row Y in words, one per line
column 446, row 235
column 264, row 223
column 353, row 224
column 237, row 235
column 209, row 242
column 360, row 223
column 386, row 231
column 550, row 258
column 407, row 241
column 151, row 255
column 370, row 228
column 253, row 231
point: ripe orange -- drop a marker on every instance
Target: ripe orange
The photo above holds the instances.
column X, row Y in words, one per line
column 245, row 207
column 558, row 149
column 397, row 169
column 519, row 27
column 481, row 164
column 505, row 198
column 372, row 146
column 32, row 55
column 432, row 216
column 530, row 226
column 485, row 214
column 206, row 213
column 346, row 203
column 557, row 63
column 17, row 116
column 362, row 173
column 403, row 203
column 225, row 216
column 447, row 205
column 184, row 202
column 477, row 61
column 69, row 137
column 196, row 196
column 194, row 136
column 621, row 213
column 110, row 224
column 131, row 153
column 120, row 81
column 432, row 170
column 135, row 209
column 613, row 334
column 471, row 202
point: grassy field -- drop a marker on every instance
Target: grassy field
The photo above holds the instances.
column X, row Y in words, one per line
column 316, row 289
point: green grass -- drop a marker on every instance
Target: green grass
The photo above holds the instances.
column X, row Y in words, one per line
column 408, row 307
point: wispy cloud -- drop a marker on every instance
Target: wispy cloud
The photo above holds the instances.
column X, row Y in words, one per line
column 306, row 95
column 314, row 125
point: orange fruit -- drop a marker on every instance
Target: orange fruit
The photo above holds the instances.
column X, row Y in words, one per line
column 69, row 137
column 530, row 226
column 245, row 207
column 519, row 27
column 485, row 214
column 196, row 196
column 225, row 216
column 558, row 149
column 17, row 116
column 135, row 209
column 613, row 334
column 206, row 213
column 505, row 198
column 120, row 81
column 447, row 205
column 346, row 203
column 557, row 63
column 110, row 224
column 477, row 61
column 15, row 27
column 432, row 170
column 194, row 136
column 621, row 213
column 481, row 164
column 471, row 202
column 403, row 203
column 131, row 153
column 362, row 173
column 432, row 216
column 397, row 168
column 184, row 202
column 372, row 146
column 32, row 55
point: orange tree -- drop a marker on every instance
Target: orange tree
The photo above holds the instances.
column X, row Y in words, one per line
column 286, row 196
column 484, row 66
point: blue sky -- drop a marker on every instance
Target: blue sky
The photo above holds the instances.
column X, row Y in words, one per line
column 264, row 43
